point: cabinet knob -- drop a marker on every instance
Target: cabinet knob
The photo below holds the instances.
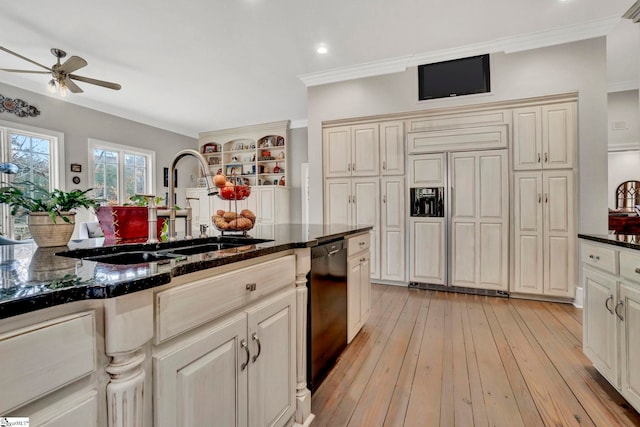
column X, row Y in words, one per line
column 638, row 270
column 595, row 257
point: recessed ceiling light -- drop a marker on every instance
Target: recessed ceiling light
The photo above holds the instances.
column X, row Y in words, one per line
column 322, row 49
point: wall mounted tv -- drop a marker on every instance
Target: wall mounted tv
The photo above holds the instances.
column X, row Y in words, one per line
column 457, row 77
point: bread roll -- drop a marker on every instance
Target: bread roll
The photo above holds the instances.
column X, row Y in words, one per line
column 246, row 213
column 230, row 216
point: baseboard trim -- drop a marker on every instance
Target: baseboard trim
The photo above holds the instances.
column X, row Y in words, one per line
column 459, row 289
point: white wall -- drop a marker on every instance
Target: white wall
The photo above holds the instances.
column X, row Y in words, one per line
column 79, row 124
column 298, row 155
column 579, row 66
column 624, row 109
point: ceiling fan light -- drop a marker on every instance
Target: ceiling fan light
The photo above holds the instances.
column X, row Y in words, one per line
column 51, row 86
column 62, row 89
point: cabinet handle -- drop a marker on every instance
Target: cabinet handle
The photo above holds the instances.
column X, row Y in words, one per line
column 384, row 199
column 349, row 167
column 546, row 157
column 384, row 166
column 606, row 304
column 538, row 157
column 362, row 259
column 362, row 243
column 250, row 287
column 243, row 344
column 594, row 257
column 539, row 198
column 638, row 270
column 353, row 167
column 620, row 304
column 257, row 340
column 546, row 198
column 353, row 199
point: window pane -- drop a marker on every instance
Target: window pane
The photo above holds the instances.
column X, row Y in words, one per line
column 140, row 161
column 129, row 159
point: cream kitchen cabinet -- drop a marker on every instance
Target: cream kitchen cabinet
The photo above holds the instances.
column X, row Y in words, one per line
column 355, row 201
column 358, row 284
column 612, row 315
column 544, row 248
column 243, row 362
column 351, row 151
column 544, row 137
column 392, row 156
column 392, row 229
column 427, row 249
column 427, row 170
column 479, row 219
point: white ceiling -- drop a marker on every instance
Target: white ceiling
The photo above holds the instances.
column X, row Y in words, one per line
column 204, row 65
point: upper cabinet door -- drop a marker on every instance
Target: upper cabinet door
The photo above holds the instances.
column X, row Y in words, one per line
column 527, row 138
column 365, row 148
column 337, row 151
column 559, row 135
column 392, row 148
column 544, row 137
column 426, row 170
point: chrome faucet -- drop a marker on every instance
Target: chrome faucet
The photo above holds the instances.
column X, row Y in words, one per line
column 172, row 190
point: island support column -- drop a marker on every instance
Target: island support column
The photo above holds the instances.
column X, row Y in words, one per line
column 128, row 327
column 303, row 395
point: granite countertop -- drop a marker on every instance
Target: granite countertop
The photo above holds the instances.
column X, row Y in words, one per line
column 34, row 278
column 629, row 241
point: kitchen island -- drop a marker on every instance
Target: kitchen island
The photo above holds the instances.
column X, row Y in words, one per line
column 203, row 336
column 611, row 327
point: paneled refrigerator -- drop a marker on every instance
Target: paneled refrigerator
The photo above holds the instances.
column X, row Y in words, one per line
column 459, row 223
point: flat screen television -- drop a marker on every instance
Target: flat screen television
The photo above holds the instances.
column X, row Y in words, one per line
column 457, row 77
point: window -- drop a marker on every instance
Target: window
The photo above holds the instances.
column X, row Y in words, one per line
column 39, row 155
column 119, row 171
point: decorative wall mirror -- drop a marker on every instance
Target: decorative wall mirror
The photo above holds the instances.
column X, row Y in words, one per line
column 628, row 196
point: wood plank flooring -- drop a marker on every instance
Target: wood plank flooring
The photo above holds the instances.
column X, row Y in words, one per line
column 429, row 358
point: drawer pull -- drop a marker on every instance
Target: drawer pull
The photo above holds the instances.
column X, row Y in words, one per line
column 362, row 243
column 594, row 257
column 250, row 287
column 257, row 340
column 244, row 345
column 620, row 304
column 606, row 304
column 638, row 270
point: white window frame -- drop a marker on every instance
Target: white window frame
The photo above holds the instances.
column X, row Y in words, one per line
column 56, row 159
column 121, row 148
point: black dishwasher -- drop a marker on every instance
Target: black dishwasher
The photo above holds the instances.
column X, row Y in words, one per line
column 327, row 310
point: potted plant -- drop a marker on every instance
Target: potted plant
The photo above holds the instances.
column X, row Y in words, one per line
column 51, row 216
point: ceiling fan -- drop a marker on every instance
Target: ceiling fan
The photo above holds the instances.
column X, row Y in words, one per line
column 62, row 79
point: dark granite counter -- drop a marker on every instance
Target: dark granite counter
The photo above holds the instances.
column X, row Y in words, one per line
column 623, row 240
column 34, row 278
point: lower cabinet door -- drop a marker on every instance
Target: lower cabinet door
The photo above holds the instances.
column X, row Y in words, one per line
column 354, row 289
column 427, row 249
column 272, row 370
column 600, row 340
column 630, row 299
column 203, row 381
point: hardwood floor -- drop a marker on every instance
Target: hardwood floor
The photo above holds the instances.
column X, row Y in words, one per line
column 429, row 358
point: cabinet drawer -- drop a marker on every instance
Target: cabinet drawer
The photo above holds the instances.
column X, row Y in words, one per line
column 209, row 298
column 44, row 357
column 358, row 243
column 630, row 266
column 600, row 257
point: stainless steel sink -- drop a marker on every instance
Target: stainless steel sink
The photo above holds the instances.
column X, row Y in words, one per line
column 127, row 258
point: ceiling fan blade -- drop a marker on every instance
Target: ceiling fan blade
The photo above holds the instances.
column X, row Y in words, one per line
column 74, row 88
column 72, row 64
column 22, row 57
column 114, row 86
column 11, row 70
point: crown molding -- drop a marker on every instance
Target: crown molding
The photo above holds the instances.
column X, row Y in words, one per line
column 568, row 34
column 369, row 69
column 633, row 13
column 622, row 86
